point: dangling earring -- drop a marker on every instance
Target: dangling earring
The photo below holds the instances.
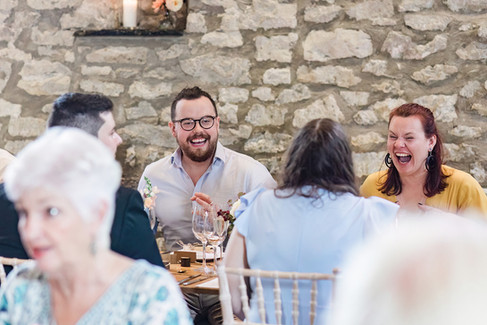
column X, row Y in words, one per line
column 430, row 162
column 388, row 161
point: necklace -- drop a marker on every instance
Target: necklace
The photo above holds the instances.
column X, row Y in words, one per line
column 408, row 201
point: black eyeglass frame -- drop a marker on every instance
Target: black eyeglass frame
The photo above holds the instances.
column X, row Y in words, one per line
column 196, row 120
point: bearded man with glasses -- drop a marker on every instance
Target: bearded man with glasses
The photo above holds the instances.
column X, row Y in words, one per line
column 201, row 164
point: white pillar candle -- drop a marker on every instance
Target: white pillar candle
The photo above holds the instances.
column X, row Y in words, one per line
column 129, row 13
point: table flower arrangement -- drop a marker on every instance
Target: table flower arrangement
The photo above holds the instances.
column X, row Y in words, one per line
column 229, row 215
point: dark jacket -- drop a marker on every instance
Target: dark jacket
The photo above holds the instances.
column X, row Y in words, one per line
column 10, row 244
column 130, row 236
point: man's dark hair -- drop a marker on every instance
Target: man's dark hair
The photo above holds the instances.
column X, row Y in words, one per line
column 81, row 111
column 190, row 93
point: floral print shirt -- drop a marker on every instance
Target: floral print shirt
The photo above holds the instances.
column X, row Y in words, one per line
column 143, row 294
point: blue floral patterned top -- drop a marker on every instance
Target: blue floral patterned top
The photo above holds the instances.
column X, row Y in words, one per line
column 143, row 294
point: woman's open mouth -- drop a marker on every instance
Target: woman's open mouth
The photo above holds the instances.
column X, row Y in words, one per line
column 403, row 158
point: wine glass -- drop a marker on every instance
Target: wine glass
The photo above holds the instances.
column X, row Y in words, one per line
column 211, row 236
column 218, row 231
column 223, row 235
column 200, row 225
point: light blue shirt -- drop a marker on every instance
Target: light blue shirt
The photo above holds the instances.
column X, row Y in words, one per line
column 229, row 174
column 299, row 234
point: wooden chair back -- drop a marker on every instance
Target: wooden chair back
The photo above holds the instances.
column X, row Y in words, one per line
column 296, row 277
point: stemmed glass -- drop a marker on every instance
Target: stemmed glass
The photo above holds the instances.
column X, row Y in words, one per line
column 222, row 230
column 218, row 232
column 200, row 226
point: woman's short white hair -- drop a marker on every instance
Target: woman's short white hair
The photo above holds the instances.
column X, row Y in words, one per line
column 72, row 163
column 426, row 272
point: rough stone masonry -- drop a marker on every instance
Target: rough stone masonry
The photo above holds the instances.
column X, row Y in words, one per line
column 272, row 65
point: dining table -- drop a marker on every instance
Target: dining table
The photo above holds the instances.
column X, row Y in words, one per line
column 198, row 283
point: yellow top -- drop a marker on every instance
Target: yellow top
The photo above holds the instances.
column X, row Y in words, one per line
column 463, row 192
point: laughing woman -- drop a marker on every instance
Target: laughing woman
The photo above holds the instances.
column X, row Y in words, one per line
column 63, row 186
column 416, row 176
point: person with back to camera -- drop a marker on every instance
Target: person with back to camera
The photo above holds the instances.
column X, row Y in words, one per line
column 416, row 176
column 63, row 185
column 308, row 223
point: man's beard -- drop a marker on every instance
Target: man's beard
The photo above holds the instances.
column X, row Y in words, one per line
column 199, row 155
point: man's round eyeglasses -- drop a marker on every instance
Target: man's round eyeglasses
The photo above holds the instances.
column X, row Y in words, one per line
column 188, row 124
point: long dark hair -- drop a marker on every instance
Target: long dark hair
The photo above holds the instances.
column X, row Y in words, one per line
column 319, row 158
column 435, row 179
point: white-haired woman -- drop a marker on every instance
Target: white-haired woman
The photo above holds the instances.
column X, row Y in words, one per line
column 428, row 271
column 63, row 186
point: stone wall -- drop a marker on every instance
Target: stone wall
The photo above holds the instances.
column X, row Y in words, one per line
column 272, row 65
